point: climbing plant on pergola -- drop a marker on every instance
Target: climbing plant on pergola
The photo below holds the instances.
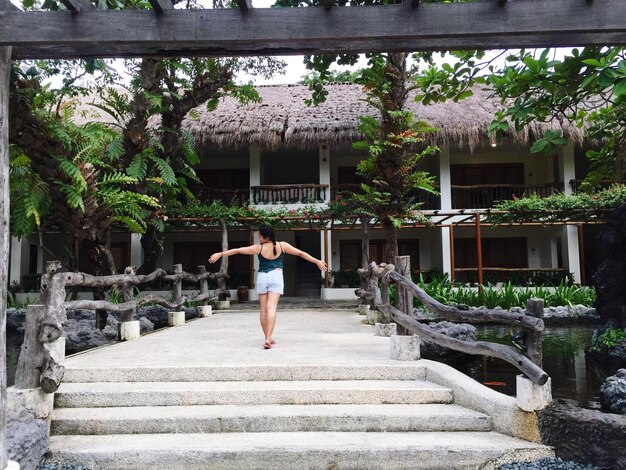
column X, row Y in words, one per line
column 84, row 32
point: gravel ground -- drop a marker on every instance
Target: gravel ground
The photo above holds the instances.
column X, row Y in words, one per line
column 58, row 466
column 546, row 464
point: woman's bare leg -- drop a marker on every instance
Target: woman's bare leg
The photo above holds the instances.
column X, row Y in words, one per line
column 272, row 303
column 263, row 316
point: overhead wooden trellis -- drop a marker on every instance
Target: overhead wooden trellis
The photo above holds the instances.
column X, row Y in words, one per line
column 85, row 32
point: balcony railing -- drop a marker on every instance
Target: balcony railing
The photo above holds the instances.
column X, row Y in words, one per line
column 227, row 196
column 289, row 193
column 429, row 201
column 604, row 184
column 516, row 276
column 484, row 196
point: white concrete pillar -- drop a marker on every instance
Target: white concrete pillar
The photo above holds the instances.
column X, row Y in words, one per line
column 446, row 261
column 445, row 190
column 324, row 160
column 573, row 254
column 16, row 271
column 255, row 239
column 570, row 233
column 255, row 168
column 569, row 167
column 445, row 181
column 136, row 252
column 329, row 261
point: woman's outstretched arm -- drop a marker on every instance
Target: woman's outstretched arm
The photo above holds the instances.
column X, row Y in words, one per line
column 246, row 250
column 290, row 250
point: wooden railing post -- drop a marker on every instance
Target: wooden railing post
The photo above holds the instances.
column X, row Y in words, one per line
column 404, row 300
column 204, row 284
column 534, row 308
column 35, row 366
column 5, row 73
column 178, row 284
column 27, row 374
column 127, row 296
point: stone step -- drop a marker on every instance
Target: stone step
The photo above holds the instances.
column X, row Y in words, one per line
column 245, row 372
column 267, row 418
column 298, row 451
column 352, row 392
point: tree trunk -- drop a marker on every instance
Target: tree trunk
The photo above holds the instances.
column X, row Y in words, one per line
column 96, row 266
column 391, row 242
column 221, row 281
column 152, row 245
column 5, row 74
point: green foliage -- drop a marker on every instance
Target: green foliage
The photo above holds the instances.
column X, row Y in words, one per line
column 579, row 207
column 587, row 87
column 508, row 296
column 606, row 341
column 30, row 198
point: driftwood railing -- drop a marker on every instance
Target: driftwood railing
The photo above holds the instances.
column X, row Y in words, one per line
column 289, row 193
column 376, row 280
column 44, row 323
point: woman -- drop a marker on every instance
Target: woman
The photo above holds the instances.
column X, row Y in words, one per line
column 270, row 277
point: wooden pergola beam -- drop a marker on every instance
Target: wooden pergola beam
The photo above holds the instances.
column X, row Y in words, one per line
column 6, row 5
column 161, row 6
column 244, row 5
column 77, row 6
column 312, row 30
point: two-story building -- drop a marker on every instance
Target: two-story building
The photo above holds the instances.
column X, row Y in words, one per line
column 281, row 152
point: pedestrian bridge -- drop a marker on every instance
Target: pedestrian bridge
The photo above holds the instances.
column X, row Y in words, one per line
column 207, row 395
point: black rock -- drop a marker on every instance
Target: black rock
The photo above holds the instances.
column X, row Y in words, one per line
column 461, row 331
column 613, row 393
column 610, row 278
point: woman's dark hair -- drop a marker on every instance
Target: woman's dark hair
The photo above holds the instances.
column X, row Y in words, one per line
column 268, row 232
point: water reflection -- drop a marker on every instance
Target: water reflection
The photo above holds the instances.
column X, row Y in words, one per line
column 574, row 376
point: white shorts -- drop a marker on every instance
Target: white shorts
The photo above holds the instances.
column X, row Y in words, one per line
column 270, row 282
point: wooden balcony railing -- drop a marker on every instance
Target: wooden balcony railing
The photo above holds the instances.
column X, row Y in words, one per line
column 517, row 276
column 289, row 193
column 483, row 196
column 604, row 184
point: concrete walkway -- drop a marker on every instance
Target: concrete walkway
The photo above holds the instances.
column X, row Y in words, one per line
column 235, row 338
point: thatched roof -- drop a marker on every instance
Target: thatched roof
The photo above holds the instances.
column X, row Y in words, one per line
column 283, row 118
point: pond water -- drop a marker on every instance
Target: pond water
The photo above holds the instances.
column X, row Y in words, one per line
column 574, row 377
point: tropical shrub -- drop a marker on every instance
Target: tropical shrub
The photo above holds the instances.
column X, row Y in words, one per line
column 608, row 339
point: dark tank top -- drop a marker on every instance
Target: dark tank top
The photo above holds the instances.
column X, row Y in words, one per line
column 267, row 265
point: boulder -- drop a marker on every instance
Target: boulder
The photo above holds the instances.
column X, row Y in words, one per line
column 27, row 434
column 461, row 331
column 613, row 393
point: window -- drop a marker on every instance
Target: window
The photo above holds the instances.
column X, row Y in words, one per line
column 496, row 253
column 489, row 173
column 119, row 250
column 192, row 255
column 350, row 252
